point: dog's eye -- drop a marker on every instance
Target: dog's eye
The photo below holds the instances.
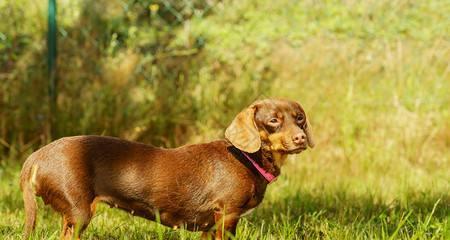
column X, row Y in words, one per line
column 273, row 120
column 300, row 118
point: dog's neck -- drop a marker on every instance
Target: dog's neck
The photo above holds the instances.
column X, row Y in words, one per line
column 270, row 161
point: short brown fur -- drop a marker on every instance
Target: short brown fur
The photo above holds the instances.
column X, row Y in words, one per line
column 202, row 187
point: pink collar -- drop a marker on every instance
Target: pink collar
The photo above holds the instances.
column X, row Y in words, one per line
column 268, row 176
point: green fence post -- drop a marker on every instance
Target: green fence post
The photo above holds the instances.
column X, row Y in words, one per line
column 52, row 73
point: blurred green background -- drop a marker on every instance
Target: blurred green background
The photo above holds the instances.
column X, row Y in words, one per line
column 373, row 76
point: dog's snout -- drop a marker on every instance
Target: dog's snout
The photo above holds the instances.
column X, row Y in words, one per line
column 299, row 138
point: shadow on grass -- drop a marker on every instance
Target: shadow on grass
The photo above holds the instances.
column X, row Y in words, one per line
column 368, row 215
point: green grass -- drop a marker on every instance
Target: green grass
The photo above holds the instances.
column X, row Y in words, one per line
column 310, row 201
column 373, row 77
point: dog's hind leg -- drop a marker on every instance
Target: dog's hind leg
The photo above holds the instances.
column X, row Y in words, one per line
column 77, row 214
column 75, row 223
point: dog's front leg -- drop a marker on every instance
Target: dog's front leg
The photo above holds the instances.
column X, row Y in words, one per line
column 209, row 235
column 226, row 223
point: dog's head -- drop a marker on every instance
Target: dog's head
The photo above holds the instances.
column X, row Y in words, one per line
column 279, row 126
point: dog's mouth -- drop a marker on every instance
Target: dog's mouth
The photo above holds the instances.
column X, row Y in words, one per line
column 296, row 150
column 287, row 147
column 290, row 148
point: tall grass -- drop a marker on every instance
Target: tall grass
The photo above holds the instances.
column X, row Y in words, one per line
column 373, row 77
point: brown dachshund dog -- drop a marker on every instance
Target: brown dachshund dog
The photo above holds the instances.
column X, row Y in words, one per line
column 202, row 187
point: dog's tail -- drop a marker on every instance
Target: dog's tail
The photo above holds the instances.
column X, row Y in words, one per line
column 27, row 181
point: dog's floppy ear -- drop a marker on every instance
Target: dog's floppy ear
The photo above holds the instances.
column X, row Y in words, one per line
column 308, row 132
column 243, row 133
